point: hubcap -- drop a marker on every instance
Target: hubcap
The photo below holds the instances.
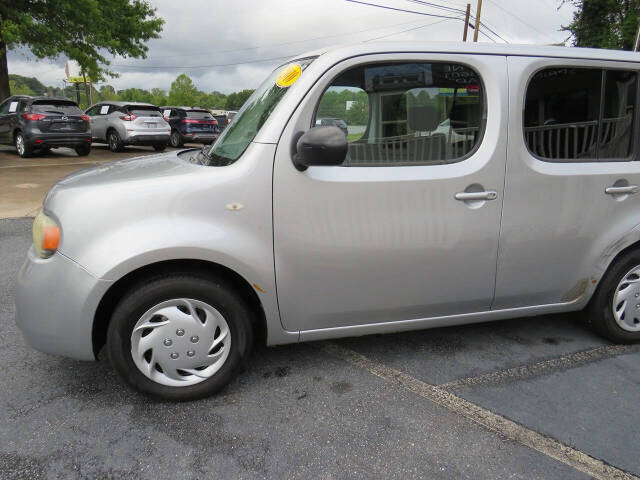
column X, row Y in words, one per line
column 113, row 141
column 162, row 343
column 20, row 144
column 626, row 301
column 175, row 141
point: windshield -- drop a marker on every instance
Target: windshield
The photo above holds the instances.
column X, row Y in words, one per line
column 143, row 111
column 201, row 114
column 248, row 121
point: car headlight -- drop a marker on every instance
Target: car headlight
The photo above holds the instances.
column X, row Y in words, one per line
column 46, row 235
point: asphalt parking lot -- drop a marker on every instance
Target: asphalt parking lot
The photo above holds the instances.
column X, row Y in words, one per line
column 524, row 398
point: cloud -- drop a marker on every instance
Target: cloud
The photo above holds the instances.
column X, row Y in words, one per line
column 211, row 41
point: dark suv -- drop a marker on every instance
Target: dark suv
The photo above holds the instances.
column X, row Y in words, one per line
column 37, row 124
column 190, row 125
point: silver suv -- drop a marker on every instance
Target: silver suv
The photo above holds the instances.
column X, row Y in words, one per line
column 477, row 183
column 128, row 123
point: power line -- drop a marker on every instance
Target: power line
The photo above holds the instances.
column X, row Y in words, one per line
column 408, row 30
column 519, row 19
column 209, row 52
column 402, row 9
column 191, row 67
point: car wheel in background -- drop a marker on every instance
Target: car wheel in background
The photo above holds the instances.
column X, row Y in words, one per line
column 175, row 140
column 23, row 148
column 115, row 142
column 614, row 309
column 83, row 151
column 180, row 336
column 159, row 147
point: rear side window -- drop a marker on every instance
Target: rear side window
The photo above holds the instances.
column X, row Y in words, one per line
column 143, row 111
column 52, row 106
column 406, row 113
column 200, row 114
column 580, row 114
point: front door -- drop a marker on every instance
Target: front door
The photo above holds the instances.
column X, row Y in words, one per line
column 408, row 227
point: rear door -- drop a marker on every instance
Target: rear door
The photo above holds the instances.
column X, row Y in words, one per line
column 408, row 227
column 572, row 184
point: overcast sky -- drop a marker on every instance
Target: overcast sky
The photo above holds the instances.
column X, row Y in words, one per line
column 201, row 38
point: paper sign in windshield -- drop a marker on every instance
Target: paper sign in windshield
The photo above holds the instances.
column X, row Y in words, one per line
column 165, row 113
column 13, row 106
column 104, row 109
column 289, row 75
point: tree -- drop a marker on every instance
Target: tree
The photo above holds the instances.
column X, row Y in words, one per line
column 604, row 23
column 107, row 92
column 237, row 99
column 158, row 97
column 80, row 29
column 183, row 92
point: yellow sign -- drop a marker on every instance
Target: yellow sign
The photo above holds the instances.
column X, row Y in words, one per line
column 289, row 75
column 78, row 79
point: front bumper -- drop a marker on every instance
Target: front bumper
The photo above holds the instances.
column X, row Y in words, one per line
column 56, row 301
column 59, row 139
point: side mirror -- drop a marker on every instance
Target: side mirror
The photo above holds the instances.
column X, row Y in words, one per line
column 321, row 146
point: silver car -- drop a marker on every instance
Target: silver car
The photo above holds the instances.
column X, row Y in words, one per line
column 119, row 124
column 283, row 230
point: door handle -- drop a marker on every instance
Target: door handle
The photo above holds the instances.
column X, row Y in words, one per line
column 486, row 195
column 626, row 190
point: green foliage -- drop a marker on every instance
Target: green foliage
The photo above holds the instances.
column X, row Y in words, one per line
column 609, row 24
column 350, row 105
column 237, row 99
column 183, row 92
column 83, row 30
column 134, row 95
column 26, row 85
column 107, row 92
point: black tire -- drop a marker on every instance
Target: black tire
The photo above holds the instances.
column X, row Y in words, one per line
column 175, row 140
column 599, row 312
column 114, row 141
column 159, row 147
column 151, row 292
column 23, row 148
column 83, row 151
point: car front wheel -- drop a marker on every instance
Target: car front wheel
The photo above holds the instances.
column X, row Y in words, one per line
column 115, row 142
column 180, row 337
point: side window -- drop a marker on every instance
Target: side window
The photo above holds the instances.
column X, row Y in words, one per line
column 4, row 108
column 397, row 114
column 93, row 110
column 580, row 114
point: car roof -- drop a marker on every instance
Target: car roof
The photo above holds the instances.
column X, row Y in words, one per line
column 41, row 97
column 349, row 50
column 186, row 108
column 120, row 103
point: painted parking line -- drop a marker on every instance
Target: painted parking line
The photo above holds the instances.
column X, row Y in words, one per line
column 565, row 362
column 53, row 164
column 486, row 418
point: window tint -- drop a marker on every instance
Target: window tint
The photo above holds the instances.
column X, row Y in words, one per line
column 56, row 106
column 4, row 108
column 406, row 113
column 565, row 118
column 143, row 111
column 201, row 114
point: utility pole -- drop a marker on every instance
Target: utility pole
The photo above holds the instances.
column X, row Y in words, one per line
column 477, row 27
column 636, row 45
column 466, row 22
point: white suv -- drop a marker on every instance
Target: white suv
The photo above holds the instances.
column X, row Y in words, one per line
column 128, row 123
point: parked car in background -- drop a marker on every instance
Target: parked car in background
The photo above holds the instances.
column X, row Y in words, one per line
column 37, row 124
column 222, row 120
column 190, row 125
column 338, row 122
column 128, row 123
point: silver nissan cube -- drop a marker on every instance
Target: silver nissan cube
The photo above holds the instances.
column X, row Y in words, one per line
column 471, row 183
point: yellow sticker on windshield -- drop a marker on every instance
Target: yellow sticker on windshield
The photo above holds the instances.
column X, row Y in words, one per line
column 289, row 75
